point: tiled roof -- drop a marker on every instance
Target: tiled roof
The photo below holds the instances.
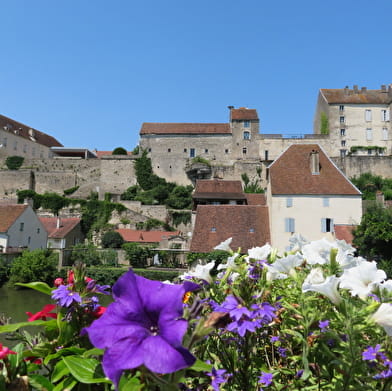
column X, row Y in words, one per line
column 67, row 224
column 344, row 232
column 291, row 173
column 256, row 199
column 341, row 96
column 244, row 114
column 133, row 235
column 28, row 132
column 217, row 188
column 8, row 215
column 184, row 128
column 247, row 225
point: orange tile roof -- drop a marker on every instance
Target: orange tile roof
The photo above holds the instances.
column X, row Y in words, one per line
column 256, row 198
column 206, row 188
column 184, row 128
column 243, row 114
column 247, row 225
column 23, row 131
column 341, row 96
column 133, row 235
column 290, row 173
column 67, row 224
column 8, row 214
column 344, row 232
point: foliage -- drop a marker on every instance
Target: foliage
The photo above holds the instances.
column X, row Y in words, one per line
column 180, row 197
column 119, row 151
column 87, row 254
column 373, row 237
column 202, row 160
column 137, row 254
column 252, row 186
column 54, row 202
column 71, row 190
column 324, row 125
column 35, row 265
column 4, row 271
column 130, row 193
column 376, row 148
column 135, row 150
column 145, row 176
column 180, row 217
column 112, row 239
column 216, row 256
column 151, row 223
column 14, row 162
column 369, row 184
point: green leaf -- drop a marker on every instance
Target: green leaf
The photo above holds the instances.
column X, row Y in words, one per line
column 201, row 366
column 71, row 351
column 67, row 384
column 132, row 384
column 9, row 328
column 38, row 286
column 93, row 352
column 41, row 383
column 59, row 371
column 85, row 370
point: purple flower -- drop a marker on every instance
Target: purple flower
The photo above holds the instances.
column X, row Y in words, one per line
column 243, row 325
column 371, row 352
column 233, row 307
column 265, row 311
column 282, row 352
column 143, row 326
column 265, row 379
column 218, row 376
column 323, row 325
column 65, row 296
column 274, row 339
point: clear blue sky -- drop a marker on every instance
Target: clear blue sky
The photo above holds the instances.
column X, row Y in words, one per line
column 90, row 72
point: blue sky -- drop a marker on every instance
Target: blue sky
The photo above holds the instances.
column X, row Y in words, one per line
column 90, row 72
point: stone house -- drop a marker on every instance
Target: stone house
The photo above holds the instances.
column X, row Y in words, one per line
column 20, row 228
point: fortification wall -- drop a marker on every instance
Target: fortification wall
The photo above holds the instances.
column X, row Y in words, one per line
column 357, row 165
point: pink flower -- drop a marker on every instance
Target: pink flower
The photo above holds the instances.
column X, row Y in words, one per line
column 4, row 352
column 58, row 281
column 43, row 314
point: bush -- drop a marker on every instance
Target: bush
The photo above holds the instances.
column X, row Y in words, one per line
column 85, row 253
column 119, row 151
column 70, row 190
column 14, row 162
column 112, row 239
column 137, row 254
column 35, row 265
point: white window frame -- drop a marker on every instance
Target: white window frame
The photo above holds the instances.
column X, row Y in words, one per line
column 385, row 134
column 246, row 135
column 289, row 224
column 246, row 124
column 369, row 134
column 289, row 202
column 368, row 115
column 385, row 115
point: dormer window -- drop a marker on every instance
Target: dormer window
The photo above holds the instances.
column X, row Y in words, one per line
column 246, row 124
column 246, row 135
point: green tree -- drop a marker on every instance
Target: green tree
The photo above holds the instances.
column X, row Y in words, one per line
column 373, row 237
column 85, row 253
column 137, row 254
column 130, row 193
column 180, row 197
column 369, row 184
column 4, row 271
column 112, row 239
column 54, row 202
column 14, row 162
column 119, row 151
column 35, row 265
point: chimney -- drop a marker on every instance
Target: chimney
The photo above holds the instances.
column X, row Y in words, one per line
column 230, row 108
column 314, row 162
column 58, row 222
column 363, row 90
column 355, row 88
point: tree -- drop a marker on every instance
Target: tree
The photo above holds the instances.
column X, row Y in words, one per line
column 180, row 197
column 14, row 162
column 119, row 151
column 373, row 237
column 54, row 202
column 137, row 254
column 35, row 265
column 85, row 253
column 112, row 239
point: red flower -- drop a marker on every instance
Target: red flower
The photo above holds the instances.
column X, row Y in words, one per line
column 70, row 277
column 34, row 360
column 58, row 281
column 43, row 314
column 4, row 351
column 99, row 311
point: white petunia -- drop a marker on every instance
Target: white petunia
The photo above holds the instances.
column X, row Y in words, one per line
column 316, row 282
column 362, row 279
column 230, row 262
column 259, row 253
column 383, row 317
column 282, row 267
column 200, row 271
column 297, row 241
column 225, row 246
column 318, row 251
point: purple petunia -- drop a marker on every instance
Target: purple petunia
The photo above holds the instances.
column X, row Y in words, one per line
column 65, row 296
column 234, row 308
column 143, row 326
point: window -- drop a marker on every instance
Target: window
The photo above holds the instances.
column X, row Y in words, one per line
column 213, row 229
column 385, row 133
column 370, row 151
column 325, row 202
column 327, row 225
column 343, row 152
column 185, row 150
column 384, row 115
column 206, row 150
column 289, row 202
column 251, row 230
column 343, row 143
column 169, row 150
column 226, row 151
column 38, row 230
column 342, row 132
column 192, row 152
column 265, row 155
column 244, row 150
column 21, row 227
column 368, row 115
column 149, row 149
column 246, row 135
column 29, row 240
column 341, row 119
column 289, row 224
column 369, row 134
column 341, row 108
column 246, row 124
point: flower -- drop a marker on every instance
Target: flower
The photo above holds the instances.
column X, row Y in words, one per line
column 282, row 267
column 65, row 297
column 43, row 314
column 362, row 279
column 224, row 246
column 230, row 262
column 4, row 352
column 316, row 282
column 297, row 241
column 218, row 376
column 323, row 325
column 143, row 326
column 318, row 251
column 259, row 253
column 233, row 307
column 58, row 281
column 265, row 379
column 383, row 317
column 201, row 272
column 371, row 352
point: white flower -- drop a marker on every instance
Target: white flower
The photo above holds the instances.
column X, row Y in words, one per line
column 387, row 285
column 383, row 317
column 345, row 257
column 259, row 253
column 362, row 279
column 225, row 246
column 316, row 282
column 230, row 262
column 200, row 271
column 282, row 267
column 318, row 251
column 297, row 241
